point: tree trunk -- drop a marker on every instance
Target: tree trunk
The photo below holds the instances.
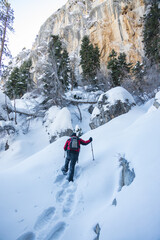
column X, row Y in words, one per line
column 4, row 35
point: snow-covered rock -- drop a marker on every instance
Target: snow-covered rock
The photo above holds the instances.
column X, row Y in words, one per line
column 58, row 123
column 111, row 104
column 127, row 175
column 7, row 133
column 5, row 106
column 156, row 103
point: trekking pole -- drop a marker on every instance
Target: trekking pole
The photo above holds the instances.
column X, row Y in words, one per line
column 64, row 154
column 92, row 151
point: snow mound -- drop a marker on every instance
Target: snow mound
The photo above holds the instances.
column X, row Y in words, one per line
column 115, row 94
column 58, row 122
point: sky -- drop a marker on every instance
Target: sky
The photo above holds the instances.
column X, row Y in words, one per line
column 29, row 16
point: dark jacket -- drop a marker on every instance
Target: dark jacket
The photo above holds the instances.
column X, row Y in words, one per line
column 80, row 141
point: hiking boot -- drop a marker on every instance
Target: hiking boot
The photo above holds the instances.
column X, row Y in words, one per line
column 64, row 170
column 69, row 179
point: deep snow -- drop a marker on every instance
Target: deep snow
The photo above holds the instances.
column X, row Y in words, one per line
column 37, row 202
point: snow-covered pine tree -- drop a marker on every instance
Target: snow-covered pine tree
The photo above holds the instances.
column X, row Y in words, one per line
column 19, row 81
column 119, row 67
column 123, row 66
column 151, row 33
column 114, row 67
column 65, row 70
column 90, row 60
column 62, row 62
column 56, row 76
column 25, row 75
column 12, row 85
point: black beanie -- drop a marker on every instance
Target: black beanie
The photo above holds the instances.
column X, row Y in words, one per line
column 73, row 134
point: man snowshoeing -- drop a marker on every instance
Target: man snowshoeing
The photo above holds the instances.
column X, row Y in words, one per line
column 72, row 146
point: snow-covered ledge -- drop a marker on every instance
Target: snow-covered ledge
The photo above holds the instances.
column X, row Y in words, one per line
column 111, row 104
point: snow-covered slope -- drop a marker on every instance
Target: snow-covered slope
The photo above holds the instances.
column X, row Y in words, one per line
column 37, row 202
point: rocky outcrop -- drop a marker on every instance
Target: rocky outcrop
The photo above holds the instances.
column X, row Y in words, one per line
column 156, row 103
column 97, row 231
column 111, row 104
column 109, row 24
column 127, row 175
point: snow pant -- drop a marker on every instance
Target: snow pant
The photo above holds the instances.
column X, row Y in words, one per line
column 71, row 159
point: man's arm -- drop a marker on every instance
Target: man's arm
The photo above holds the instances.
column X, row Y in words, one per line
column 83, row 142
column 65, row 146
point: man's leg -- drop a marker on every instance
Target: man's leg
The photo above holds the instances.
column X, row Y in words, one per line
column 65, row 167
column 74, row 158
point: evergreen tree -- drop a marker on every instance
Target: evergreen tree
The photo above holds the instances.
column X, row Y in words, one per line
column 138, row 70
column 25, row 76
column 85, row 56
column 90, row 59
column 62, row 62
column 19, row 80
column 57, row 71
column 57, row 45
column 151, row 33
column 12, row 86
column 96, row 59
column 114, row 67
column 65, row 71
column 124, row 67
column 119, row 67
column 138, row 73
column 6, row 24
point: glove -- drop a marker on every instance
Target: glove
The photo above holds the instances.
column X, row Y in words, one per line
column 91, row 139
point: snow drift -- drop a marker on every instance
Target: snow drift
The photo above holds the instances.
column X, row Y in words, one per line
column 37, row 202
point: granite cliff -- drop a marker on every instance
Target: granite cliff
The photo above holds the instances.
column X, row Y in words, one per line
column 110, row 24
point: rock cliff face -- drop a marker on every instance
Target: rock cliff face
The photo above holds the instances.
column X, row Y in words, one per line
column 110, row 24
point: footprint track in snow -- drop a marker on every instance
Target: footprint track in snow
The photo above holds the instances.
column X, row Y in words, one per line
column 60, row 195
column 56, row 231
column 66, row 197
column 44, row 218
column 27, row 236
column 78, row 171
column 68, row 205
column 59, row 179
